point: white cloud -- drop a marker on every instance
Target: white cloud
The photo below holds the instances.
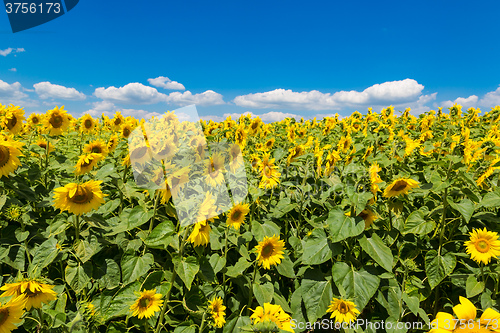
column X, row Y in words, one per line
column 208, row 97
column 13, row 69
column 108, row 109
column 10, row 50
column 491, row 99
column 166, row 83
column 393, row 92
column 48, row 90
column 268, row 117
column 132, row 93
column 419, row 106
column 11, row 91
column 469, row 102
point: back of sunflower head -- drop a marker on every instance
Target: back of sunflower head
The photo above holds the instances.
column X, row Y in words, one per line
column 203, row 176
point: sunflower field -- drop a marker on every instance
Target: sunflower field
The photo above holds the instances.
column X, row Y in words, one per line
column 383, row 222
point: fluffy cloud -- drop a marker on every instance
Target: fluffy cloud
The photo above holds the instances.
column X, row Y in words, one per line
column 132, row 93
column 208, row 97
column 10, row 50
column 165, row 83
column 469, row 102
column 268, row 117
column 13, row 69
column 393, row 92
column 491, row 99
column 108, row 109
column 11, row 92
column 48, row 90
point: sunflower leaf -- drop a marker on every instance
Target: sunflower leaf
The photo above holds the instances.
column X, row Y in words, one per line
column 376, row 249
column 437, row 267
column 186, row 269
column 342, row 226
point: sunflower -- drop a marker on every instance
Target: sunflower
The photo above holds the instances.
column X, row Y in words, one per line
column 35, row 119
column 269, row 172
column 126, row 129
column 140, row 154
column 295, row 152
column 367, row 215
column 270, row 251
column 466, row 313
column 9, row 151
column 87, row 123
column 215, row 168
column 117, row 121
column 164, row 150
column 483, row 245
column 112, row 143
column 236, row 217
column 148, row 302
column 34, row 291
column 400, row 186
column 217, row 309
column 255, row 161
column 200, row 234
column 269, row 144
column 79, row 198
column 42, row 143
column 97, row 146
column 87, row 162
column 236, row 158
column 240, row 136
column 13, row 119
column 342, row 310
column 11, row 313
column 272, row 313
column 56, row 121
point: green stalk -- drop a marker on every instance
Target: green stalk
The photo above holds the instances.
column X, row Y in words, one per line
column 77, row 228
column 171, row 282
column 202, row 326
column 157, row 198
column 250, row 299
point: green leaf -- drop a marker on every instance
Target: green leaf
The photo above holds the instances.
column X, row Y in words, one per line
column 134, row 266
column 44, row 255
column 111, row 276
column 160, row 235
column 235, row 325
column 437, row 267
column 317, row 295
column 376, row 249
column 284, row 206
column 412, row 302
column 186, row 269
column 358, row 285
column 217, row 262
column 266, row 229
column 85, row 249
column 490, row 200
column 130, row 219
column 264, row 292
column 316, row 249
column 3, row 199
column 417, row 224
column 342, row 226
column 473, row 287
column 238, row 268
column 21, row 235
column 359, row 201
column 185, row 329
column 285, row 268
column 77, row 275
column 465, row 207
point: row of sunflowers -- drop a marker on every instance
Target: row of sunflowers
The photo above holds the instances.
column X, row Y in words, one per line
column 375, row 217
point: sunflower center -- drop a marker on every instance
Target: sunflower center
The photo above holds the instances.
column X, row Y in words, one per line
column 86, row 164
column 144, row 302
column 399, row 186
column 343, row 308
column 82, row 195
column 4, row 315
column 236, row 215
column 267, row 250
column 35, row 120
column 42, row 145
column 118, row 121
column 126, row 132
column 97, row 150
column 88, row 123
column 4, row 155
column 56, row 121
column 482, row 246
column 269, row 143
column 139, row 152
column 12, row 122
column 267, row 171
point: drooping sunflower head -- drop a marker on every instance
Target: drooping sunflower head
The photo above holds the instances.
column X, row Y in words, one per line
column 126, row 129
column 11, row 313
column 147, row 304
column 200, row 234
column 79, row 198
column 483, row 245
column 295, row 152
column 236, row 216
column 97, row 147
column 56, row 121
column 215, row 169
column 270, row 251
column 217, row 310
column 272, row 313
column 33, row 290
column 343, row 310
column 400, row 186
column 240, row 136
column 112, row 143
column 87, row 162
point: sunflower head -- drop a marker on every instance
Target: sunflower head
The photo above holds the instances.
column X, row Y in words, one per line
column 400, row 186
column 483, row 245
column 87, row 123
column 13, row 119
column 343, row 310
column 236, row 216
column 11, row 313
column 97, row 147
column 9, row 152
column 271, row 314
column 56, row 121
column 270, row 251
column 79, row 198
column 217, row 310
column 34, row 291
column 147, row 304
column 87, row 162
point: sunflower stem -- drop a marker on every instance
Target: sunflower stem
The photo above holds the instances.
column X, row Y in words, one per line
column 250, row 299
column 481, row 266
column 225, row 261
column 171, row 283
column 151, row 223
column 46, row 161
column 202, row 325
column 77, row 228
column 40, row 315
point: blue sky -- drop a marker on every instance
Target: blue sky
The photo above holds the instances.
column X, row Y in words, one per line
column 271, row 58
